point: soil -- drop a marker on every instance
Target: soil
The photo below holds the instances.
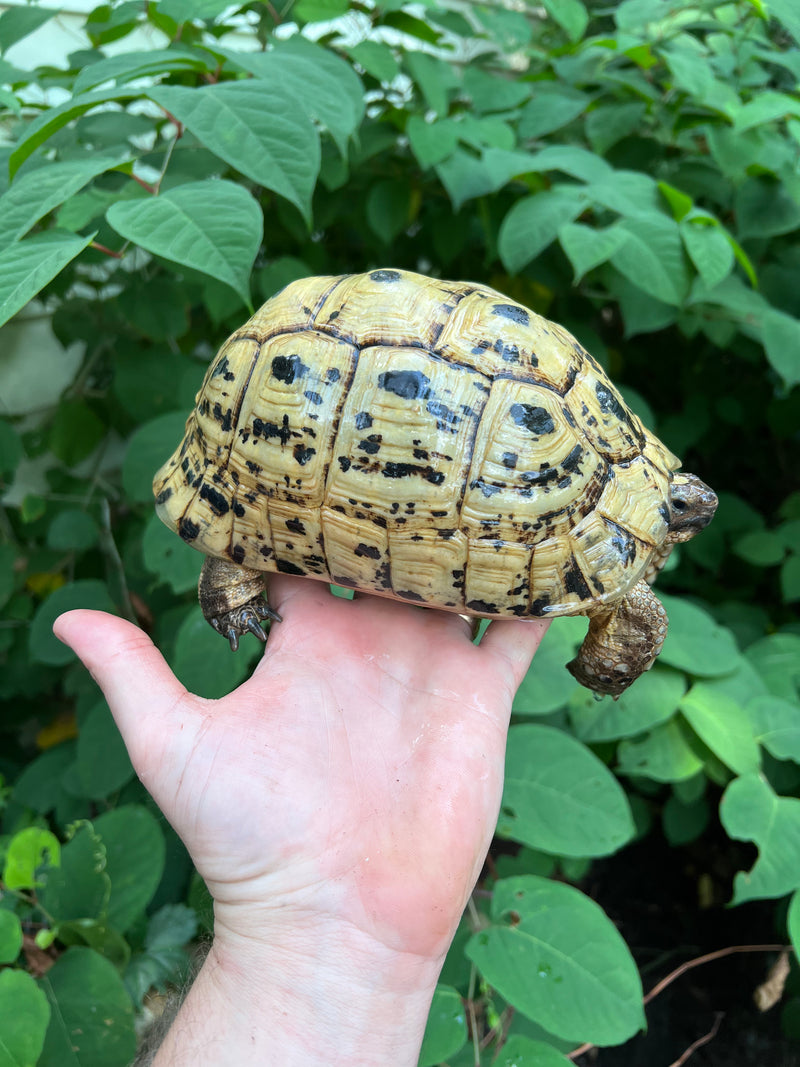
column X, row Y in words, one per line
column 670, row 905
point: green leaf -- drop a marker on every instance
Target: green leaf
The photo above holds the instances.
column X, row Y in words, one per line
column 666, row 755
column 554, row 955
column 434, row 78
column 377, row 59
column 185, row 10
column 709, row 248
column 44, row 646
column 27, row 266
column 762, row 548
column 489, row 93
column 134, row 861
column 256, row 127
column 388, row 208
column 27, row 852
column 10, row 942
column 323, row 84
column 652, row 257
column 695, row 643
column 610, row 123
column 552, row 106
column 130, row 65
column 572, row 160
column 80, row 887
column 750, row 811
column 39, row 786
column 150, row 446
column 92, row 1016
column 776, row 725
column 446, row 1029
column 102, row 765
column 571, row 15
column 549, row 685
column 204, row 662
column 75, row 432
column 631, row 194
column 431, row 142
column 764, row 208
column 777, row 660
column 534, row 222
column 587, row 247
column 17, row 22
column 520, row 1051
column 319, row 10
column 54, row 118
column 36, row 193
column 723, row 725
column 212, row 226
column 72, row 529
column 684, row 823
column 170, row 558
column 559, row 797
column 766, row 107
column 790, row 580
column 679, row 202
column 781, row 336
column 793, row 921
column 653, row 700
column 24, row 1019
column 466, row 176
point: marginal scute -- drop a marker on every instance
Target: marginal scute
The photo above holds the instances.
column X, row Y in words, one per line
column 427, row 440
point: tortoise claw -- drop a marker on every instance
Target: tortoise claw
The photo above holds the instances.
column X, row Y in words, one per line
column 245, row 619
column 255, row 627
column 233, row 637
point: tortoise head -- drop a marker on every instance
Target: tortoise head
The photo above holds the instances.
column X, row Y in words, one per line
column 691, row 507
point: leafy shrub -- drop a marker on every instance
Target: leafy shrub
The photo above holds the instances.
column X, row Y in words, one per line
column 627, row 170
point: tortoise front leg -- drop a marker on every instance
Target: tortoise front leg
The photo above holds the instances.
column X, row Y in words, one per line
column 621, row 644
column 232, row 599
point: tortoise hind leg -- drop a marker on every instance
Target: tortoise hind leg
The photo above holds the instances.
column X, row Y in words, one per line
column 621, row 644
column 232, row 600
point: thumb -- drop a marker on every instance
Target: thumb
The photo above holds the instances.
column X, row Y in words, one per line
column 137, row 682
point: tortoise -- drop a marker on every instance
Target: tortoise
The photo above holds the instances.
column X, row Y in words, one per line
column 433, row 442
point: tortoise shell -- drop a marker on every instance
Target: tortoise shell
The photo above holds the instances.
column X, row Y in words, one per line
column 426, row 440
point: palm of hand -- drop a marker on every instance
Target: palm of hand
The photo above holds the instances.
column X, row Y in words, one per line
column 356, row 774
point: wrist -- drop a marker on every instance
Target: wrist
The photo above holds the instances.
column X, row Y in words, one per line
column 313, row 996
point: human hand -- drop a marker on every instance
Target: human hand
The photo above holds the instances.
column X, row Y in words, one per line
column 338, row 804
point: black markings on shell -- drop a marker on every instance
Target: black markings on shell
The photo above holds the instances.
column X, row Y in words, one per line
column 512, row 312
column 287, row 368
column 363, row 420
column 536, row 420
column 369, row 551
column 216, row 501
column 285, row 566
column 385, row 276
column 408, row 384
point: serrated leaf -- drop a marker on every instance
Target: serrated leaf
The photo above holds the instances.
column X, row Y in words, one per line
column 559, row 797
column 255, row 126
column 553, row 954
column 27, row 266
column 587, row 247
column 533, row 223
column 751, row 811
column 722, row 724
column 212, row 226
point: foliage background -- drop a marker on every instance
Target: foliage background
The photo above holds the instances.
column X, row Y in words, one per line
column 628, row 170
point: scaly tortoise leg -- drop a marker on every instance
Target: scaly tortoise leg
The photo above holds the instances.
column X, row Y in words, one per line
column 232, row 599
column 621, row 644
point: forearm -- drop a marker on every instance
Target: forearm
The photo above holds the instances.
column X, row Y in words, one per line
column 328, row 1004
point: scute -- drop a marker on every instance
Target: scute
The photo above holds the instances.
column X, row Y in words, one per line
column 427, row 440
